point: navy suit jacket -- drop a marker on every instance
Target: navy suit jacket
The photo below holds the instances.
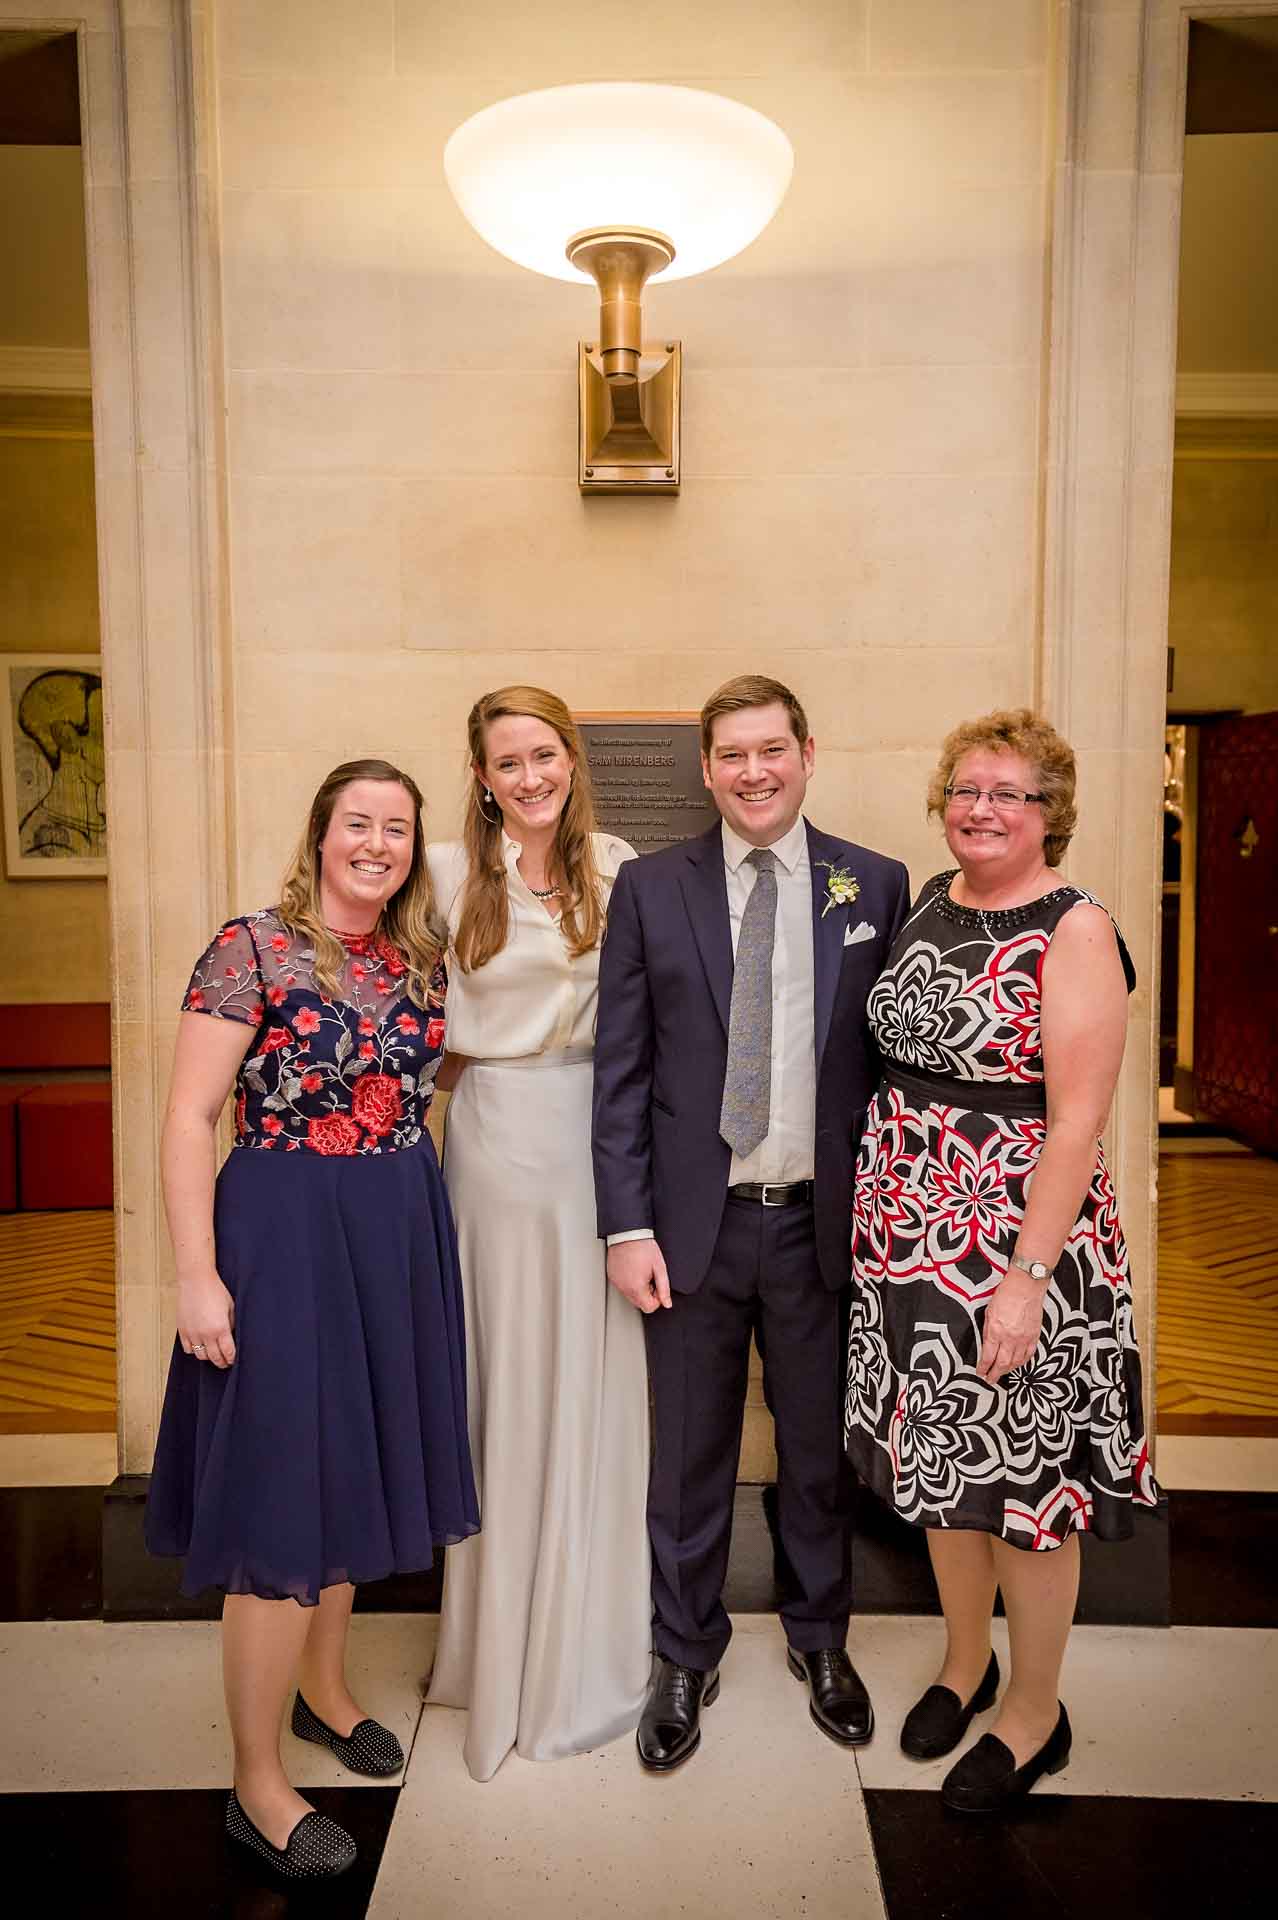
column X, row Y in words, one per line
column 661, row 1048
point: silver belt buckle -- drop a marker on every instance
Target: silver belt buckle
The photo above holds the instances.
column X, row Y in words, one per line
column 774, row 1186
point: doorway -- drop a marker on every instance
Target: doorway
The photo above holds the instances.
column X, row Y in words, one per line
column 57, row 1287
column 1218, row 1052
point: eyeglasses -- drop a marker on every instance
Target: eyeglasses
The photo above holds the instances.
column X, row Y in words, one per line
column 1002, row 799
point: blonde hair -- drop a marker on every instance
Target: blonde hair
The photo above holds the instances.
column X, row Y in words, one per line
column 484, row 923
column 1021, row 731
column 408, row 919
column 751, row 690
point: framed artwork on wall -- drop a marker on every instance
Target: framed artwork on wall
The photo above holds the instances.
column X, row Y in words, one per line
column 52, row 766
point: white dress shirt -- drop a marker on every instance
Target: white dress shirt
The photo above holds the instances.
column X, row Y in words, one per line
column 788, row 1149
column 533, row 996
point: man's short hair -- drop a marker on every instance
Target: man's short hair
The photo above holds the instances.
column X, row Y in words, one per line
column 751, row 690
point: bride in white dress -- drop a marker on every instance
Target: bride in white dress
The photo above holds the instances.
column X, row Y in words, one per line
column 546, row 1627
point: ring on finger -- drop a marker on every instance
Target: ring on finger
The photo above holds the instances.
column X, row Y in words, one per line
column 199, row 1348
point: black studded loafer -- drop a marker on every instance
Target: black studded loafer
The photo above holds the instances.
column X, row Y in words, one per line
column 367, row 1748
column 318, row 1849
column 840, row 1704
column 936, row 1723
column 670, row 1727
column 987, row 1777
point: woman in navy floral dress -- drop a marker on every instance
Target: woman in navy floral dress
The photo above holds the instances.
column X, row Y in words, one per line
column 994, row 1387
column 314, row 1427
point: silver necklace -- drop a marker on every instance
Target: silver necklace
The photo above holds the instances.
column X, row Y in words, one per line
column 544, row 893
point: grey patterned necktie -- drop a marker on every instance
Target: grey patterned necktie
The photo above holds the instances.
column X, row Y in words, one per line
column 747, row 1087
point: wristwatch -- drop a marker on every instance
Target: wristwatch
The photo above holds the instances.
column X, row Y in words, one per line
column 1034, row 1268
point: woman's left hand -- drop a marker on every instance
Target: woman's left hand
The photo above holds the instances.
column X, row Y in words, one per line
column 1013, row 1322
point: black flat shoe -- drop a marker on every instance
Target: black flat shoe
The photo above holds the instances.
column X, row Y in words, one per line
column 367, row 1748
column 936, row 1723
column 670, row 1728
column 987, row 1776
column 840, row 1704
column 318, row 1849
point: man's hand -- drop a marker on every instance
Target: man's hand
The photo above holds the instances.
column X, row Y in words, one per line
column 637, row 1269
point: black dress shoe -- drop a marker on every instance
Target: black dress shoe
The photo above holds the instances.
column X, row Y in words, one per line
column 840, row 1704
column 987, row 1776
column 317, row 1849
column 670, row 1727
column 368, row 1748
column 936, row 1723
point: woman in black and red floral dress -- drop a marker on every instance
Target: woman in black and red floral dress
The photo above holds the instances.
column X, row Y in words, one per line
column 314, row 1427
column 994, row 1388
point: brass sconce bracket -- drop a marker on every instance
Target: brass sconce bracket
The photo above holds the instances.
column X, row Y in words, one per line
column 628, row 395
column 628, row 432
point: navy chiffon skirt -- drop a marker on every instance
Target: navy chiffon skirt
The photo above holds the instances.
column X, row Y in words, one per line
column 335, row 1448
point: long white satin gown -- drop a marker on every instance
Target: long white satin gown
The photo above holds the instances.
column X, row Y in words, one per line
column 545, row 1632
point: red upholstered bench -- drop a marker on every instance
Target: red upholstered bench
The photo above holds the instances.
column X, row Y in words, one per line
column 65, row 1147
column 49, row 1038
column 55, row 1138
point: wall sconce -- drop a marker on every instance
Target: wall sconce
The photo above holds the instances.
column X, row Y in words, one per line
column 617, row 182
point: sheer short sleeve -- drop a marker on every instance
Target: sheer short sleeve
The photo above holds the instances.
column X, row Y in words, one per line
column 227, row 980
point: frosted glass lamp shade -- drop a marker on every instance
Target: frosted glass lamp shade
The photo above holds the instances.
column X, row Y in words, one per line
column 531, row 172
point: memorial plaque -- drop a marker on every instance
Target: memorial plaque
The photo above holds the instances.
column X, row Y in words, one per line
column 646, row 773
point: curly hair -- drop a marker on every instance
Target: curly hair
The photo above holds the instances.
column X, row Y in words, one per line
column 484, row 925
column 1021, row 731
column 408, row 918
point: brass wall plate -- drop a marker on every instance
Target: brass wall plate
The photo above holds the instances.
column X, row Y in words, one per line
column 628, row 434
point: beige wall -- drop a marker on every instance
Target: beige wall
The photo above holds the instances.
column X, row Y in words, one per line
column 910, row 487
column 1224, row 585
column 863, row 442
column 53, row 933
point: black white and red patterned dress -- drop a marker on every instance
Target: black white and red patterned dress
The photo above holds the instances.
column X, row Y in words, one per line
column 946, row 1161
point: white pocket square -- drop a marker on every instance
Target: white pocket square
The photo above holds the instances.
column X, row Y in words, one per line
column 854, row 934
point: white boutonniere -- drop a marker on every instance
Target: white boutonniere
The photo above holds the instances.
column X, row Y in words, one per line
column 841, row 889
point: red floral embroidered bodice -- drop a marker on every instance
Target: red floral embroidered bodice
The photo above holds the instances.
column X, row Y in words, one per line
column 352, row 1074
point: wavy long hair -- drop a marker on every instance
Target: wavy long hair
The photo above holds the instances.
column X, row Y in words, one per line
column 484, row 922
column 408, row 919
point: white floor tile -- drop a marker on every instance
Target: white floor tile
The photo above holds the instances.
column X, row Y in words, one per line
column 140, row 1705
column 1183, row 1712
column 766, row 1820
column 57, row 1459
column 1227, row 1465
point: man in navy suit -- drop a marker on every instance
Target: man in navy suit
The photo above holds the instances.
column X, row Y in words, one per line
column 733, row 1068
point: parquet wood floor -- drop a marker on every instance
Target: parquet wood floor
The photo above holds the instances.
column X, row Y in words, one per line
column 57, row 1323
column 1217, row 1294
column 1217, row 1306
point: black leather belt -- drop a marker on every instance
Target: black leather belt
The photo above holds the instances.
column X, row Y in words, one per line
column 785, row 1193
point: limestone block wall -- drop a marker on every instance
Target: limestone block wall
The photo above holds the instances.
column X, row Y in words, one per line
column 927, row 458
column 863, row 427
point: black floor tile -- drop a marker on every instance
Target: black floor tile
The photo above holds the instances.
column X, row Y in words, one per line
column 138, row 1586
column 154, row 1856
column 1222, row 1547
column 1123, row 1582
column 51, row 1557
column 1224, row 1552
column 1070, row 1857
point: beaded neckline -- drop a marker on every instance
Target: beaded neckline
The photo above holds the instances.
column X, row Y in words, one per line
column 1007, row 919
